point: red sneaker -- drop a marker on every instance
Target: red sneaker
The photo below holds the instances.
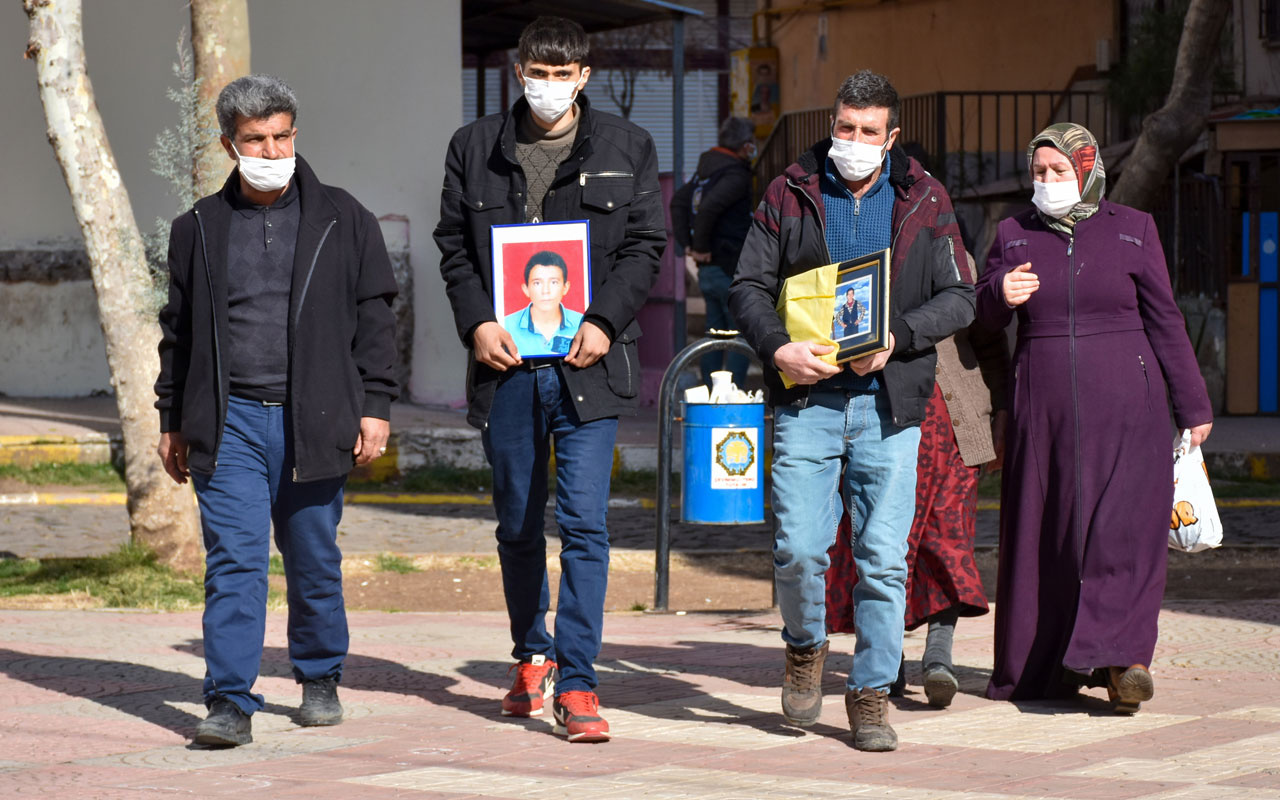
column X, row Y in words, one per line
column 535, row 679
column 578, row 718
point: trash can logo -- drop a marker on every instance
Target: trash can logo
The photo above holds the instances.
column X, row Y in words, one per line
column 734, row 459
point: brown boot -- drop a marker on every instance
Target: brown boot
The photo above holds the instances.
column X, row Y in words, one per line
column 868, row 712
column 1128, row 688
column 802, row 685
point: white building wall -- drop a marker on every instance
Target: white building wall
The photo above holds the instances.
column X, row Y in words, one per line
column 378, row 97
column 1257, row 61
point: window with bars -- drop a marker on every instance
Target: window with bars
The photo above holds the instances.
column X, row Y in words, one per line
column 1269, row 21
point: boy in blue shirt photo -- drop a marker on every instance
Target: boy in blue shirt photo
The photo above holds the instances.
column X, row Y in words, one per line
column 544, row 327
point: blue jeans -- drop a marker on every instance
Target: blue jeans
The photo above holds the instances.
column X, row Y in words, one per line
column 849, row 434
column 250, row 489
column 531, row 409
column 714, row 282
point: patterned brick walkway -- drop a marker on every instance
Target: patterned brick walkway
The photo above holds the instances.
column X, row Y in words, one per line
column 100, row 705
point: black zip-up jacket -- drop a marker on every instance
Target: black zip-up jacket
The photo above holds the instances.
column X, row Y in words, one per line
column 724, row 213
column 342, row 347
column 928, row 297
column 610, row 179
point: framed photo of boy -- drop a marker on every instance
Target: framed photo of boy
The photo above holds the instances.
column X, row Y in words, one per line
column 541, row 283
column 860, row 317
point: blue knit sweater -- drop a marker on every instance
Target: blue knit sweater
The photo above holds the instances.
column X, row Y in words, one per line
column 855, row 226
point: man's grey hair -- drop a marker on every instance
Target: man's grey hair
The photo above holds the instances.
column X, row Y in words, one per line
column 735, row 132
column 254, row 97
column 867, row 89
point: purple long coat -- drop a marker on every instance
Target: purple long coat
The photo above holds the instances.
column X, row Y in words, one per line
column 1088, row 471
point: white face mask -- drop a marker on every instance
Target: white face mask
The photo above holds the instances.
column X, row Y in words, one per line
column 1055, row 199
column 549, row 100
column 856, row 160
column 265, row 174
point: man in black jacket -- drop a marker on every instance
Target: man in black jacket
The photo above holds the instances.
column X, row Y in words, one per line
column 711, row 214
column 850, row 432
column 276, row 376
column 552, row 157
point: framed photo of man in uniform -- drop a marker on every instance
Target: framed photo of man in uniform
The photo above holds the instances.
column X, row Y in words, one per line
column 541, row 283
column 860, row 313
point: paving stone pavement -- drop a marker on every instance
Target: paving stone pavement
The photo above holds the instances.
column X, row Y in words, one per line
column 44, row 531
column 100, row 704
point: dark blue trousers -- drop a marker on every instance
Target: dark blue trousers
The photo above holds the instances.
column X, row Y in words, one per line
column 251, row 488
column 531, row 409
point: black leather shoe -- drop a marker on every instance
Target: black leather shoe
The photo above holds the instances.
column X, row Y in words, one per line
column 226, row 725
column 320, row 704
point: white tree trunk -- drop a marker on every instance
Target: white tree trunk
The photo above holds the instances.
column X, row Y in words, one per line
column 220, row 44
column 162, row 515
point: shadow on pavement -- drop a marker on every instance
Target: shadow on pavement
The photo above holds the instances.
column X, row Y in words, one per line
column 647, row 680
column 138, row 690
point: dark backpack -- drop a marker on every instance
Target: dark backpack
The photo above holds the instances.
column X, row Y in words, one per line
column 693, row 191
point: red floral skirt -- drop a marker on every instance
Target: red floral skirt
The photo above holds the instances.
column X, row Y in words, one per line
column 941, row 572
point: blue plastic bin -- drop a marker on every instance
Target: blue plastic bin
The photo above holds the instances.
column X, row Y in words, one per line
column 723, row 478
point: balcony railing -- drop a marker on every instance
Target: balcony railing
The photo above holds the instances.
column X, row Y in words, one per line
column 970, row 138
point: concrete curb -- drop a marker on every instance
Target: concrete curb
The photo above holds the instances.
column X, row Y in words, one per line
column 461, row 448
column 444, row 499
column 354, row 498
column 88, row 448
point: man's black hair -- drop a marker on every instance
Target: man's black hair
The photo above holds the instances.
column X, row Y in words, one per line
column 554, row 41
column 867, row 89
column 546, row 258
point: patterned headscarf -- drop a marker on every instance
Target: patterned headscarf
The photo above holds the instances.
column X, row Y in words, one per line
column 1077, row 144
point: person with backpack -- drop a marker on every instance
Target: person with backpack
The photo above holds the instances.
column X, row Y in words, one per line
column 711, row 215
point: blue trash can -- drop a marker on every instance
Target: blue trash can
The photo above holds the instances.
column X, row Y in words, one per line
column 723, row 478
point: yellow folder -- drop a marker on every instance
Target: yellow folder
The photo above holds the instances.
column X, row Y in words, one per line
column 806, row 306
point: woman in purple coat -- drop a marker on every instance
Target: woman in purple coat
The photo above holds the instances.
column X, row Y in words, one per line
column 1088, row 472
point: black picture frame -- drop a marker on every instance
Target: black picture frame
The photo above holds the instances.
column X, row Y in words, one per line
column 863, row 328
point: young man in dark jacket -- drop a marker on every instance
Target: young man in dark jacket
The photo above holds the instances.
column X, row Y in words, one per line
column 552, row 158
column 850, row 432
column 711, row 215
column 276, row 376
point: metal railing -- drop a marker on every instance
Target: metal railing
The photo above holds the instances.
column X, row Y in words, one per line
column 969, row 138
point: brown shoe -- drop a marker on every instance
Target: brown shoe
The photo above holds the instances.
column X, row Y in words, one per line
column 868, row 712
column 802, row 685
column 1128, row 688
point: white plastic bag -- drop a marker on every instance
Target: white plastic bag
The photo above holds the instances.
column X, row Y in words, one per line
column 1194, row 524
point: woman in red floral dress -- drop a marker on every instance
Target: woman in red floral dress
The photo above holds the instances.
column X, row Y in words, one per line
column 962, row 430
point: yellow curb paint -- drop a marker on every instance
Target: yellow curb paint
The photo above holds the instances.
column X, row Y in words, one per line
column 28, row 454
column 104, row 499
column 63, row 499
